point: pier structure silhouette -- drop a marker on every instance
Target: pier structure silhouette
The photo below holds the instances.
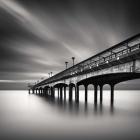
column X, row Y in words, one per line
column 116, row 64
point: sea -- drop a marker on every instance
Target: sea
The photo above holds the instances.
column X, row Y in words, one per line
column 25, row 116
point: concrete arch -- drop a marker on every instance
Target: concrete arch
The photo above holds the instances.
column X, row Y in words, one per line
column 60, row 85
column 112, row 78
column 72, row 85
column 36, row 90
column 46, row 90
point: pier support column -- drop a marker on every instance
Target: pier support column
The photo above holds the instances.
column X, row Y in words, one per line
column 86, row 96
column 42, row 91
column 52, row 93
column 47, row 92
column 64, row 93
column 101, row 94
column 77, row 94
column 58, row 92
column 112, row 95
column 95, row 94
column 70, row 93
column 61, row 94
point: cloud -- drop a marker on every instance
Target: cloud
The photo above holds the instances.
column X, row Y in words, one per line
column 39, row 36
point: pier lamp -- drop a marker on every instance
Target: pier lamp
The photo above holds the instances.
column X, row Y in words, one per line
column 51, row 73
column 107, row 62
column 73, row 58
column 118, row 58
column 66, row 63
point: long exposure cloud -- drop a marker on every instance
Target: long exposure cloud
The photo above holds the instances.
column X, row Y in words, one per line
column 39, row 36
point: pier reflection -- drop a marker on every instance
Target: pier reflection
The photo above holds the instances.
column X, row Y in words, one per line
column 81, row 108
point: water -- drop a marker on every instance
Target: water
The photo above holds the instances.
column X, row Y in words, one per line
column 24, row 116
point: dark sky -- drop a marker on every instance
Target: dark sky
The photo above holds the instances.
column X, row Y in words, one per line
column 38, row 36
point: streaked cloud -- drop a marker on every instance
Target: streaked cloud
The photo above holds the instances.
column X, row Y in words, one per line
column 39, row 36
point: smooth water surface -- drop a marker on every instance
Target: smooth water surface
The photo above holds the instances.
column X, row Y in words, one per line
column 28, row 116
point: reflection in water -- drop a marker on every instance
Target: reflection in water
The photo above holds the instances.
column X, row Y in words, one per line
column 81, row 107
column 27, row 117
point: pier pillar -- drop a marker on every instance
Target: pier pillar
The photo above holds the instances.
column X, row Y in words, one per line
column 47, row 92
column 95, row 94
column 77, row 94
column 42, row 92
column 58, row 92
column 52, row 92
column 112, row 94
column 64, row 93
column 101, row 94
column 86, row 96
column 61, row 94
column 70, row 93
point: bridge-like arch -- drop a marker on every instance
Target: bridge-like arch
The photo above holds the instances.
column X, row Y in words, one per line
column 61, row 87
column 71, row 87
column 112, row 79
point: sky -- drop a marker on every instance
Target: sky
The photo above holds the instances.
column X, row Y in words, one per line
column 38, row 36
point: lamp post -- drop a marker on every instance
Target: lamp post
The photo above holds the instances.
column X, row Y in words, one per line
column 66, row 64
column 73, row 58
column 51, row 73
